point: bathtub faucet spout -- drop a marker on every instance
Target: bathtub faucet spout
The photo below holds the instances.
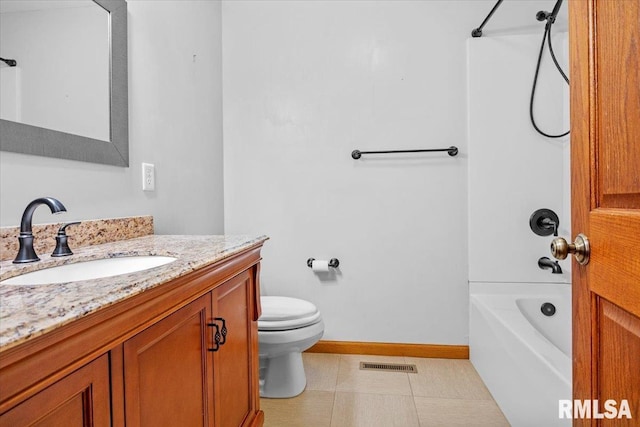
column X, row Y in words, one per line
column 545, row 263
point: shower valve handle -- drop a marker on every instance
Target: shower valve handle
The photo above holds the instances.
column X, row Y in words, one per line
column 580, row 249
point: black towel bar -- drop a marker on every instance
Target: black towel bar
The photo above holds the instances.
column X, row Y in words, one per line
column 452, row 151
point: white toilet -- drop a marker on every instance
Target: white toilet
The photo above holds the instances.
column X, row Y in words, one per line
column 286, row 328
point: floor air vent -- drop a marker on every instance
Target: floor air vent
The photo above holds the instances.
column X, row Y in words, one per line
column 389, row 367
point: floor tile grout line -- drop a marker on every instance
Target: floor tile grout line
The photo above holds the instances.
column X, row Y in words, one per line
column 413, row 397
column 373, row 394
column 335, row 391
column 335, row 382
column 454, row 398
column 333, row 407
column 413, row 405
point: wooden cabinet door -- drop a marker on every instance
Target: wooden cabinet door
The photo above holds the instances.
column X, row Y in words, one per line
column 80, row 399
column 167, row 370
column 605, row 140
column 235, row 363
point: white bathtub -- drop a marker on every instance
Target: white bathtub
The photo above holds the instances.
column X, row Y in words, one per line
column 523, row 356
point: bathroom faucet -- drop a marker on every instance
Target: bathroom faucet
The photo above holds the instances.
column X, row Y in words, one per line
column 26, row 253
column 545, row 263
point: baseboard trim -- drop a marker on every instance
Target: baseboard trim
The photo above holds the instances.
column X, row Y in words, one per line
column 392, row 349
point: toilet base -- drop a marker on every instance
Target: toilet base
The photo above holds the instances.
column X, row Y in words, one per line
column 282, row 376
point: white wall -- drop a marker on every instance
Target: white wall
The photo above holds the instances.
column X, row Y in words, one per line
column 174, row 122
column 305, row 83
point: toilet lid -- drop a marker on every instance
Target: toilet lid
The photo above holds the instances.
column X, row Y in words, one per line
column 282, row 313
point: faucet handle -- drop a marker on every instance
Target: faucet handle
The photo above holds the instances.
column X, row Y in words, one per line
column 62, row 245
column 63, row 229
column 544, row 222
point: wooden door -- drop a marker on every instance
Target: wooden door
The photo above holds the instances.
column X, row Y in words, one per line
column 167, row 370
column 235, row 364
column 81, row 399
column 605, row 140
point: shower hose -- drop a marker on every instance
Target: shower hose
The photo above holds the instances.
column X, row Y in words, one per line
column 545, row 37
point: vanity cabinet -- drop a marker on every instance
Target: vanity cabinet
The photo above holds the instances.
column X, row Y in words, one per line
column 234, row 376
column 167, row 370
column 79, row 399
column 177, row 373
column 151, row 360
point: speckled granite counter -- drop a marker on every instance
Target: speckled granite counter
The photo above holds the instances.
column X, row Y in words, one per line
column 30, row 311
column 86, row 233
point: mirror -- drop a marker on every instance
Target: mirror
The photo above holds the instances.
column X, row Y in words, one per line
column 78, row 108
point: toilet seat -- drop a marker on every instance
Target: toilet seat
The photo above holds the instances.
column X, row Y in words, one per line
column 284, row 313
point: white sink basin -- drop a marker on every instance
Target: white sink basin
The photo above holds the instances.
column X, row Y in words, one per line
column 87, row 270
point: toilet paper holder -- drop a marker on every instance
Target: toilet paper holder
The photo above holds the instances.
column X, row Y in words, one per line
column 333, row 262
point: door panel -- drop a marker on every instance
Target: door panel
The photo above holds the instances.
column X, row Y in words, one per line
column 617, row 66
column 167, row 370
column 619, row 347
column 605, row 151
column 80, row 399
column 233, row 383
column 615, row 264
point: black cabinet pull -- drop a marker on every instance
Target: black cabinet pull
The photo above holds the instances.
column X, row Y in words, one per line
column 216, row 336
column 223, row 330
column 220, row 334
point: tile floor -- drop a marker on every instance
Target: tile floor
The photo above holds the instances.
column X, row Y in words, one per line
column 443, row 393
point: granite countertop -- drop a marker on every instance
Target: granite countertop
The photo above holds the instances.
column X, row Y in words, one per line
column 32, row 310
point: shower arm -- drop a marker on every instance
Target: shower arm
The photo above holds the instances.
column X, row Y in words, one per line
column 9, row 62
column 477, row 32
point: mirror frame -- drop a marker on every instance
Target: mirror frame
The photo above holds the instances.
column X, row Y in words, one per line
column 27, row 139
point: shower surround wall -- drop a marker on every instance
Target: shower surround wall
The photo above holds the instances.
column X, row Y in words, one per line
column 523, row 356
column 513, row 170
column 304, row 84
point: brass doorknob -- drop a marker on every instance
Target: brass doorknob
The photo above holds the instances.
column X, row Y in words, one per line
column 580, row 248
